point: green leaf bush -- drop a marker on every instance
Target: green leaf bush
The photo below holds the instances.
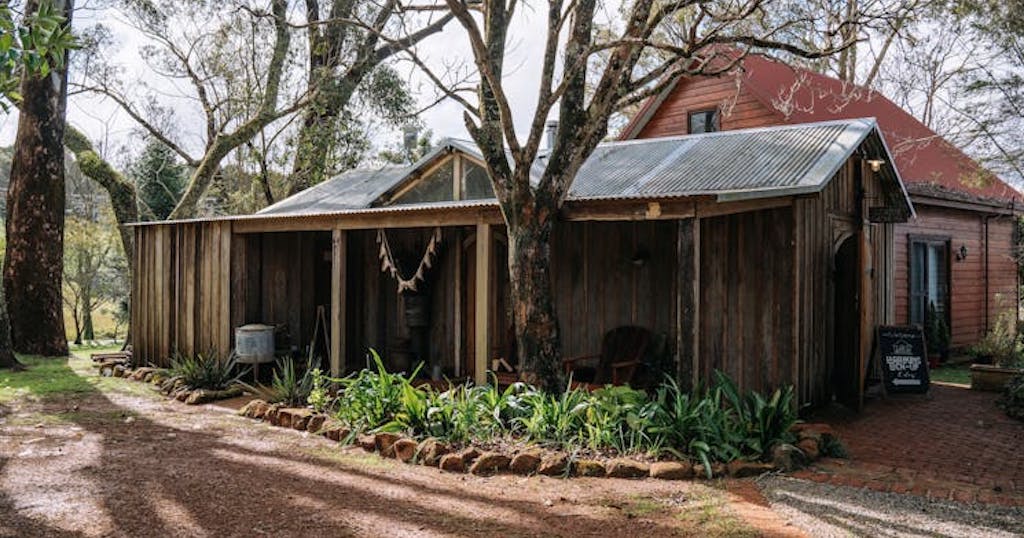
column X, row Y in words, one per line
column 717, row 423
column 1012, row 398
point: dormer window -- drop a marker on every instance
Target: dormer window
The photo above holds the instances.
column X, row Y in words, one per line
column 455, row 178
column 703, row 121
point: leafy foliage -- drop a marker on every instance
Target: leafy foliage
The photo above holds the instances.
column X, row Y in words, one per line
column 1001, row 344
column 291, row 386
column 160, row 178
column 1012, row 398
column 37, row 44
column 718, row 424
column 207, row 370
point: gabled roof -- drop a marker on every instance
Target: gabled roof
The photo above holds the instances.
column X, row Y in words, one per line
column 798, row 95
column 732, row 165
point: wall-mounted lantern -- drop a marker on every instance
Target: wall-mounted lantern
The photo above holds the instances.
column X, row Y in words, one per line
column 961, row 254
column 876, row 164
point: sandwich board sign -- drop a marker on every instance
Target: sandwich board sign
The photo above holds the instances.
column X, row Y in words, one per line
column 903, row 358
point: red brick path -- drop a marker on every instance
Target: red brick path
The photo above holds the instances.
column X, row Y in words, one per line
column 953, row 444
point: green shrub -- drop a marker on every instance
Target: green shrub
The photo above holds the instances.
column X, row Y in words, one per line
column 1001, row 344
column 207, row 370
column 718, row 423
column 1012, row 398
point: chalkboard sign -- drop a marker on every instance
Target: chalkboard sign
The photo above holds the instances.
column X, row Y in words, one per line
column 903, row 358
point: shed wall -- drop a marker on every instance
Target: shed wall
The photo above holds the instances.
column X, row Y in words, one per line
column 181, row 290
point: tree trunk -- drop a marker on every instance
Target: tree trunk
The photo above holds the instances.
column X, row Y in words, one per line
column 87, row 329
column 78, row 327
column 7, row 358
column 33, row 266
column 537, row 333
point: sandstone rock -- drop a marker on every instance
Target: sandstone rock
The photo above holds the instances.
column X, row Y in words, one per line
column 367, row 442
column 809, row 447
column 526, row 462
column 334, row 430
column 119, row 371
column 627, row 468
column 271, row 415
column 743, row 469
column 300, row 418
column 469, row 455
column 589, row 468
column 385, row 443
column 182, row 394
column 255, row 409
column 786, row 457
column 671, row 470
column 404, row 449
column 452, row 463
column 200, row 396
column 148, row 377
column 139, row 374
column 283, row 418
column 489, row 463
column 430, row 451
column 316, row 422
column 717, row 469
column 553, row 464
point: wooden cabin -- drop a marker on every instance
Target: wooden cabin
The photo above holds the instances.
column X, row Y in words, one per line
column 960, row 251
column 765, row 253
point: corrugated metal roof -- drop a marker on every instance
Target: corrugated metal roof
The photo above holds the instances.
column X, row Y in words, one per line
column 353, row 189
column 750, row 161
column 731, row 165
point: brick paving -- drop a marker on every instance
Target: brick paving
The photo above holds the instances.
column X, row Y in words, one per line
column 952, row 444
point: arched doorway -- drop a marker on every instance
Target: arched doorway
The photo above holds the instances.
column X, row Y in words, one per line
column 846, row 322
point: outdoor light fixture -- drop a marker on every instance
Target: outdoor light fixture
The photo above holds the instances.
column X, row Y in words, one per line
column 876, row 164
column 961, row 254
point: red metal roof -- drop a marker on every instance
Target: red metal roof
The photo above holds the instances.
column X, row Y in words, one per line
column 798, row 95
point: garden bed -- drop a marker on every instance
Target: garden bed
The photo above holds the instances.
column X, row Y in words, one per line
column 812, row 441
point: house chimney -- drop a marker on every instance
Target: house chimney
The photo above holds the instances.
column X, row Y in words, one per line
column 409, row 135
column 552, row 131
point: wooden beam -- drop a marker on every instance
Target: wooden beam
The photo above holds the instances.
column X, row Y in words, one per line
column 339, row 259
column 458, row 293
column 716, row 209
column 687, row 301
column 867, row 291
column 483, row 294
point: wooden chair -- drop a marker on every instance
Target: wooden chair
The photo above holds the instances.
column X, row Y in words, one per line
column 622, row 351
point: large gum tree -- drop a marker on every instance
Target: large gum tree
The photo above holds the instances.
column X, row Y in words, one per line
column 589, row 69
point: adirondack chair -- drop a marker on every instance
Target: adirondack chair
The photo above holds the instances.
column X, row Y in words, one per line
column 622, row 351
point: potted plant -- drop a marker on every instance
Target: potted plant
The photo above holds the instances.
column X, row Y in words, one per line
column 936, row 336
column 1002, row 348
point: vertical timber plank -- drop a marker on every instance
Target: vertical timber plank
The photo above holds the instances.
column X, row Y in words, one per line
column 686, row 302
column 483, row 294
column 338, row 306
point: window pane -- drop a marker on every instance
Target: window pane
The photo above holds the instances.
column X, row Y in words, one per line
column 436, row 187
column 918, row 293
column 705, row 121
column 478, row 185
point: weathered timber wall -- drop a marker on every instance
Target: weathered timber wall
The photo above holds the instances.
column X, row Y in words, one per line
column 181, row 290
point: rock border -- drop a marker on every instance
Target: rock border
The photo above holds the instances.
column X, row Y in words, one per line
column 171, row 386
column 534, row 460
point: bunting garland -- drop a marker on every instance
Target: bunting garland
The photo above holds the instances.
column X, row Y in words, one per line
column 389, row 265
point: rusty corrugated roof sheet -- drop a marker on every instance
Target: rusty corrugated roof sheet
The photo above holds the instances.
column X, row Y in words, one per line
column 731, row 165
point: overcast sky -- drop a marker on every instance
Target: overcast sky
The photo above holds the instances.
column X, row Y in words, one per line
column 111, row 128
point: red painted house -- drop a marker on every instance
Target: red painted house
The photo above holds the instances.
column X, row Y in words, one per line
column 958, row 253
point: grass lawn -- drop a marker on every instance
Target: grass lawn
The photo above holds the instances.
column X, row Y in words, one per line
column 952, row 373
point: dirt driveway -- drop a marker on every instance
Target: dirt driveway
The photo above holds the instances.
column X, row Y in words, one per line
column 107, row 457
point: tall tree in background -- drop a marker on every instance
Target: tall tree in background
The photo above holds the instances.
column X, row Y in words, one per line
column 159, row 178
column 348, row 45
column 35, row 210
column 654, row 43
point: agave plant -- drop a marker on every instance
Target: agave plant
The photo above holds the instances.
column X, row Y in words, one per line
column 207, row 370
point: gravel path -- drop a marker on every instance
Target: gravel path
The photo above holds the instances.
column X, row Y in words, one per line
column 828, row 510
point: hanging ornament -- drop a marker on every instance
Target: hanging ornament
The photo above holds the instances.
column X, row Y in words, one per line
column 389, row 265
